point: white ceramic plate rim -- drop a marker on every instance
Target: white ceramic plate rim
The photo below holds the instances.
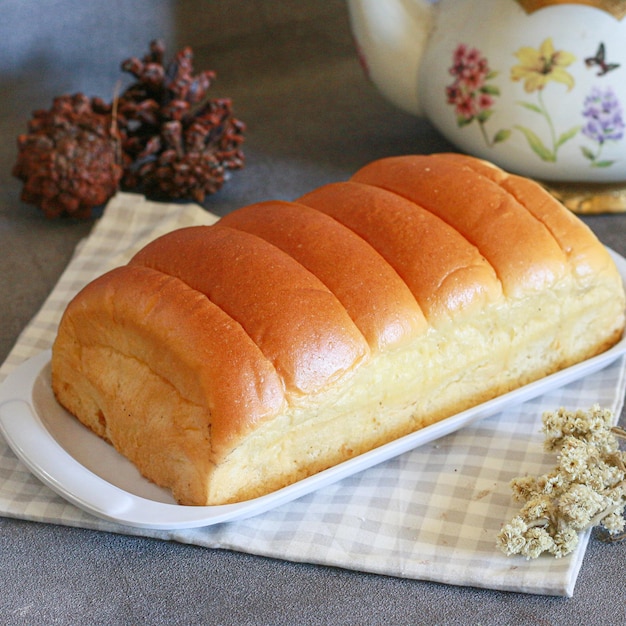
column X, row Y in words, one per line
column 27, row 402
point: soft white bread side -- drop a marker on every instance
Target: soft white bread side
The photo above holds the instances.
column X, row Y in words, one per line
column 231, row 360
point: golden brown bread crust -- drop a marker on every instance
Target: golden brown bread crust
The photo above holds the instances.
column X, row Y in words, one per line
column 231, row 360
column 298, row 324
column 373, row 294
column 135, row 312
column 518, row 246
column 445, row 272
column 577, row 241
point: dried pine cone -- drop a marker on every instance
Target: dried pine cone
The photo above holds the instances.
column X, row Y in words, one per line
column 176, row 142
column 163, row 137
column 67, row 160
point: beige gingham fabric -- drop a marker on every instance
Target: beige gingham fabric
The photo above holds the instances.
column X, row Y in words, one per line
column 430, row 514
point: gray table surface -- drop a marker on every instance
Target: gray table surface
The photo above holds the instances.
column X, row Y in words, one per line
column 312, row 118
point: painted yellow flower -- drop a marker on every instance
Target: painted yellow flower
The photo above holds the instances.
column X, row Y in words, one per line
column 538, row 67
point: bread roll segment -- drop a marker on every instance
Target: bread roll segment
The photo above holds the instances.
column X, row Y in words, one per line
column 533, row 243
column 520, row 248
column 288, row 312
column 577, row 242
column 445, row 272
column 373, row 294
column 229, row 361
column 141, row 375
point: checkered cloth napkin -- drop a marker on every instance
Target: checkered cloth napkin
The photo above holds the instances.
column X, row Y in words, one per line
column 429, row 514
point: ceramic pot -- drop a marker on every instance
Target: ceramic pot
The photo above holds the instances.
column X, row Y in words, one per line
column 538, row 87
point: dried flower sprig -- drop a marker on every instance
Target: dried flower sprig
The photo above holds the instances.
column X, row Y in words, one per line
column 587, row 487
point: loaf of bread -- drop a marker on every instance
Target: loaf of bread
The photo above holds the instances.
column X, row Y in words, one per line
column 228, row 361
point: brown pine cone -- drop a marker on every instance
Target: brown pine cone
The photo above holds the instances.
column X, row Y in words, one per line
column 163, row 136
column 68, row 159
column 176, row 142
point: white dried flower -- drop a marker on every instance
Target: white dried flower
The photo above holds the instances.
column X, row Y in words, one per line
column 551, row 483
column 524, row 488
column 553, row 429
column 592, row 426
column 565, row 541
column 580, row 504
column 574, row 458
column 538, row 540
column 537, row 507
column 511, row 538
column 586, row 488
column 615, row 522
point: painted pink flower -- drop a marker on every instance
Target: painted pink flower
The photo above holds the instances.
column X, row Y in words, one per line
column 466, row 106
column 470, row 92
column 469, row 68
column 485, row 101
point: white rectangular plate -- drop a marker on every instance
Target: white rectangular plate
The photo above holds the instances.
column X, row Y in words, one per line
column 89, row 473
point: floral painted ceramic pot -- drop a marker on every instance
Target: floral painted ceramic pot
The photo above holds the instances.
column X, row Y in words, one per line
column 536, row 86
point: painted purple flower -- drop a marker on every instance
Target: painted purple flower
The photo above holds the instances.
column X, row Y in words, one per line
column 603, row 113
column 604, row 122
